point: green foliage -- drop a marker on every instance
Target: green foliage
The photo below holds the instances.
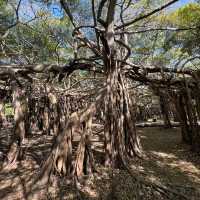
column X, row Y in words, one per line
column 6, row 16
column 185, row 17
column 8, row 110
column 39, row 41
column 47, row 36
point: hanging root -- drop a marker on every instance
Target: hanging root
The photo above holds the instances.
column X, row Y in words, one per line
column 60, row 158
column 12, row 155
column 121, row 139
column 84, row 159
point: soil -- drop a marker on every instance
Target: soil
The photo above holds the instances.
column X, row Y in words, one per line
column 167, row 162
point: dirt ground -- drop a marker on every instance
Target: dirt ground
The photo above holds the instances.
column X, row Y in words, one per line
column 166, row 161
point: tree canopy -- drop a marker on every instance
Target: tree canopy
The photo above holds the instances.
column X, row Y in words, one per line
column 67, row 66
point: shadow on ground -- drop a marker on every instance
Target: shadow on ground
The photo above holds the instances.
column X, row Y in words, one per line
column 167, row 158
column 167, row 161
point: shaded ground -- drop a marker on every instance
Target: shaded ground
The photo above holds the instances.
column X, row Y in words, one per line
column 167, row 161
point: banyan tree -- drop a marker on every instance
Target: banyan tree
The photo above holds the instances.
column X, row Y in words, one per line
column 64, row 113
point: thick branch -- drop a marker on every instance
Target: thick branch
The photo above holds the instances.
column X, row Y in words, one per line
column 157, row 29
column 67, row 11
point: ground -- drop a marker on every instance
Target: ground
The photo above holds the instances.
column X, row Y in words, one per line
column 167, row 162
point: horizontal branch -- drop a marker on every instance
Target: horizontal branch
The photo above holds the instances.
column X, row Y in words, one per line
column 25, row 70
column 153, row 69
column 157, row 29
column 68, row 12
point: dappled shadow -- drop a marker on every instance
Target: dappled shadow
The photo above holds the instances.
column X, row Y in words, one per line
column 167, row 159
column 16, row 180
column 5, row 137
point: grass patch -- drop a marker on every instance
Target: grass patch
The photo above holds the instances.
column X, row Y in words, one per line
column 8, row 109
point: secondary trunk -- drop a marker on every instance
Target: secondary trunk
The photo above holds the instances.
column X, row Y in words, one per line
column 84, row 163
column 2, row 116
column 165, row 110
column 19, row 125
column 181, row 111
column 60, row 157
column 192, row 118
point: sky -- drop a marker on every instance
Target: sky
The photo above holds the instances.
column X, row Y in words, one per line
column 181, row 3
column 55, row 9
column 27, row 10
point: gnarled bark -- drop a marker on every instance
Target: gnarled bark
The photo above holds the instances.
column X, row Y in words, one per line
column 19, row 125
column 84, row 163
column 60, row 157
column 121, row 140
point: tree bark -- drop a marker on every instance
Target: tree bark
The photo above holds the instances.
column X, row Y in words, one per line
column 19, row 125
column 193, row 121
column 60, row 157
column 84, row 163
column 185, row 130
column 2, row 115
column 121, row 140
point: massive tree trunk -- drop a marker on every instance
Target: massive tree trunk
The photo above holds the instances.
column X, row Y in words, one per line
column 121, row 140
